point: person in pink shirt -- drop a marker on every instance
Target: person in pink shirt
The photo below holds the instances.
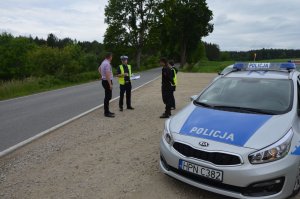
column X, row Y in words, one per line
column 105, row 71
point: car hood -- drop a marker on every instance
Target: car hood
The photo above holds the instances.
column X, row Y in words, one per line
column 239, row 129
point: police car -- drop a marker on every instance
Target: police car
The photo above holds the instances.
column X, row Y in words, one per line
column 240, row 137
column 226, row 70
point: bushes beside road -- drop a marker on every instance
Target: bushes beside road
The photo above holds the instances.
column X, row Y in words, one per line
column 25, row 57
column 30, row 65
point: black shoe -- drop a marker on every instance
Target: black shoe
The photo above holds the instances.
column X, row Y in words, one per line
column 121, row 109
column 130, row 108
column 109, row 115
column 164, row 116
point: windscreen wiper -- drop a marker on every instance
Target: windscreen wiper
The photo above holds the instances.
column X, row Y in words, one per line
column 203, row 104
column 245, row 109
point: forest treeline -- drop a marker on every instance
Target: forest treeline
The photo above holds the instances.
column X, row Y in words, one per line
column 67, row 59
column 262, row 54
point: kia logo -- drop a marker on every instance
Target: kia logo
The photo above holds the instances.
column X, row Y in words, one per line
column 204, row 144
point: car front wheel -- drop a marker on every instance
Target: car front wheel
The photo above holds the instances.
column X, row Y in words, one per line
column 297, row 184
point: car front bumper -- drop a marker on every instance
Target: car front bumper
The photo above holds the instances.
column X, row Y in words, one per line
column 238, row 180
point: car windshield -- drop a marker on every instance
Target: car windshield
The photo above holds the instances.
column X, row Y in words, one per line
column 264, row 96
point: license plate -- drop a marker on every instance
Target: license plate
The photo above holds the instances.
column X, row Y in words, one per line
column 201, row 171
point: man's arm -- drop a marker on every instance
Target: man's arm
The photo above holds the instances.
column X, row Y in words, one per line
column 99, row 70
column 107, row 76
column 119, row 73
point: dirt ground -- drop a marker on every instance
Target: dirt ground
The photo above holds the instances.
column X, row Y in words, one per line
column 98, row 157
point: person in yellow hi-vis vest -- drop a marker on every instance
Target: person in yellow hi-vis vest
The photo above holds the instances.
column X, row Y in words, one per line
column 174, row 83
column 124, row 74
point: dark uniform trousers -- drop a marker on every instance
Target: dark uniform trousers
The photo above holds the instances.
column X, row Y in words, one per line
column 126, row 88
column 167, row 99
column 108, row 95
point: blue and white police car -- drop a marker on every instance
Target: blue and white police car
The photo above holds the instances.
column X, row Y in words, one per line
column 240, row 137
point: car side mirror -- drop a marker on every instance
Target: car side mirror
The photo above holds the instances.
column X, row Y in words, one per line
column 194, row 97
column 220, row 73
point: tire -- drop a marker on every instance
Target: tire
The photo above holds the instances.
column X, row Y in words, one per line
column 297, row 184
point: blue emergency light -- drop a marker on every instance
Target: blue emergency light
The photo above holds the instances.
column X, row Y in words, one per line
column 288, row 66
column 264, row 66
column 238, row 66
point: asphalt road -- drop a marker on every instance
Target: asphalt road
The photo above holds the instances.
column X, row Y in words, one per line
column 22, row 118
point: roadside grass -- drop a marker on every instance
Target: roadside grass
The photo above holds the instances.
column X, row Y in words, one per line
column 32, row 85
column 217, row 66
column 209, row 66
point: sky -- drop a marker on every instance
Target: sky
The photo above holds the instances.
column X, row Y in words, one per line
column 239, row 25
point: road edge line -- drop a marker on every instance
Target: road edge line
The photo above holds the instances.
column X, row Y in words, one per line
column 43, row 133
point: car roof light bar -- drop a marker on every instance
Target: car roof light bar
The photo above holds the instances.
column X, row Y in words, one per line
column 265, row 66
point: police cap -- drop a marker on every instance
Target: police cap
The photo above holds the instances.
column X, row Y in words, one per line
column 124, row 57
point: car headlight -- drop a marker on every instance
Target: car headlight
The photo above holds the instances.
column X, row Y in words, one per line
column 274, row 152
column 167, row 134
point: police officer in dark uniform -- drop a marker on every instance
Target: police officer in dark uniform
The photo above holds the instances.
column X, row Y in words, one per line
column 124, row 74
column 166, row 87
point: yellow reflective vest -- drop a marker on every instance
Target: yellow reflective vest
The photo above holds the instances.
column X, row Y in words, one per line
column 122, row 79
column 175, row 77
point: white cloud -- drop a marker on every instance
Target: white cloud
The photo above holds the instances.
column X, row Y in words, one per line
column 255, row 24
column 238, row 24
column 81, row 20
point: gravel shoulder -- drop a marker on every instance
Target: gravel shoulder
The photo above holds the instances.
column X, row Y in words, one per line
column 97, row 157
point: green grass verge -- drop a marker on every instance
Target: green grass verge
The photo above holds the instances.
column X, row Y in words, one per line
column 33, row 85
column 18, row 88
column 217, row 66
column 209, row 66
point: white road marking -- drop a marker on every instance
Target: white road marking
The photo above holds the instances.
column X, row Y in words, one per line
column 29, row 140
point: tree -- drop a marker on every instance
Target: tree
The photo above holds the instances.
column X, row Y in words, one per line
column 13, row 56
column 185, row 22
column 63, row 59
column 61, row 43
column 52, row 40
column 199, row 54
column 129, row 23
column 40, row 42
column 212, row 51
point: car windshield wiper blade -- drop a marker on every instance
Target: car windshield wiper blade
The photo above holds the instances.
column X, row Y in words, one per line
column 203, row 104
column 249, row 110
column 240, row 109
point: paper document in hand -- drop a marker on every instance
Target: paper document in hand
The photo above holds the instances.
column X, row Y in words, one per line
column 135, row 77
